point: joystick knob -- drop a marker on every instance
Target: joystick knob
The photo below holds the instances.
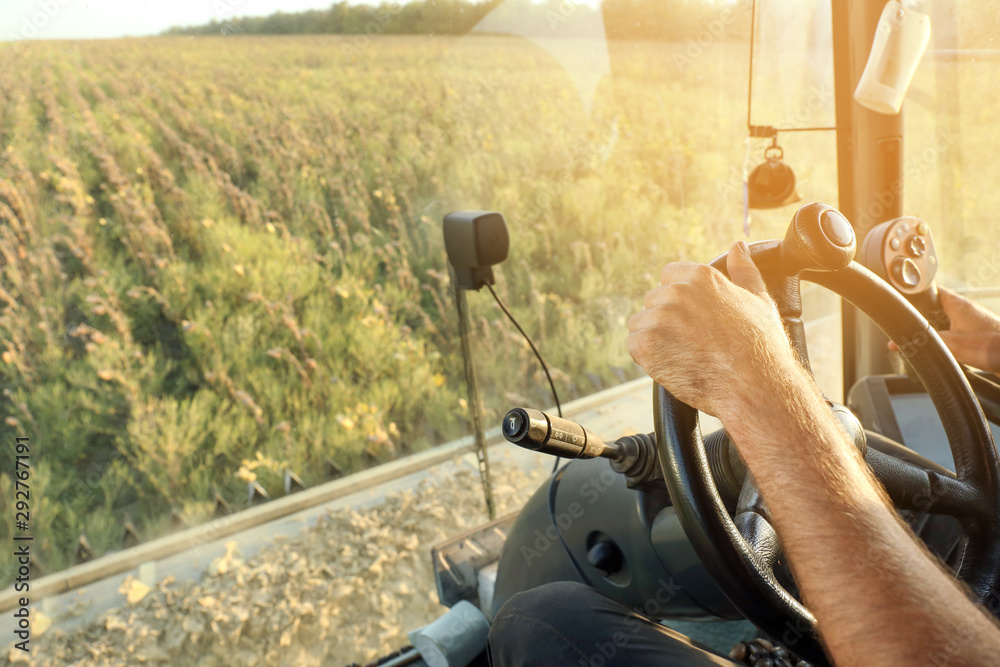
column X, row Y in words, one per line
column 819, row 238
column 901, row 251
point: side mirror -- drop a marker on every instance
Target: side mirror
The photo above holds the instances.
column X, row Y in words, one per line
column 475, row 241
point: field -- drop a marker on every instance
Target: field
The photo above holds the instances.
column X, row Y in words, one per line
column 222, row 257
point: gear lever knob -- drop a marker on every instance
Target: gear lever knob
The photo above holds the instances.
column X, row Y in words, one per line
column 819, row 238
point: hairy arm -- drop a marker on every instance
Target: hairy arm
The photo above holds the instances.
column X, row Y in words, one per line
column 974, row 336
column 878, row 595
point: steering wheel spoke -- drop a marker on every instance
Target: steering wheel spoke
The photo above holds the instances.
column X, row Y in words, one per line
column 911, row 487
column 752, row 520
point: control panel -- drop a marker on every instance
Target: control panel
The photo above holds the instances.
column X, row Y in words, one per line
column 902, row 252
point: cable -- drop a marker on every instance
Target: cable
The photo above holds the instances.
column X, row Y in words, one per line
column 552, row 385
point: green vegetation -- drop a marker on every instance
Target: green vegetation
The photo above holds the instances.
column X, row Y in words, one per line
column 623, row 19
column 221, row 258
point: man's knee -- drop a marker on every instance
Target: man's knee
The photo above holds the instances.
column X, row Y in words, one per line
column 572, row 624
column 549, row 601
column 543, row 626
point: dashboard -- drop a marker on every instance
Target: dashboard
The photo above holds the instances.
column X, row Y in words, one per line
column 898, row 408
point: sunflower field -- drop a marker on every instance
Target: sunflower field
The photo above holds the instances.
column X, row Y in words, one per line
column 221, row 258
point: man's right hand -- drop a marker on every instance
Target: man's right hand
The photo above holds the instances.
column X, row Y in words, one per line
column 974, row 336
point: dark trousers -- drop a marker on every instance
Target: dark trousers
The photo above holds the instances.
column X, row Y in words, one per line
column 567, row 623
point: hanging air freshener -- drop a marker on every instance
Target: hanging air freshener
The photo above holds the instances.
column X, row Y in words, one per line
column 772, row 183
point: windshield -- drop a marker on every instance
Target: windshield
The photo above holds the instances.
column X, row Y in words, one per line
column 950, row 144
column 222, row 269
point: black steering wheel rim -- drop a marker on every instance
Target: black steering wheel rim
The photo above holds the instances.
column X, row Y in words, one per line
column 737, row 568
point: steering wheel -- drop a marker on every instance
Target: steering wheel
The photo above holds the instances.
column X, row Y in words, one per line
column 741, row 554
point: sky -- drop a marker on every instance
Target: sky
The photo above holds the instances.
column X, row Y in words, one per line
column 83, row 19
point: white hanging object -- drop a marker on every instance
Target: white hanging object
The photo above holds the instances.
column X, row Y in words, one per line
column 900, row 40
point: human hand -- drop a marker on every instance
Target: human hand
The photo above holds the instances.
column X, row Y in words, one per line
column 710, row 342
column 974, row 336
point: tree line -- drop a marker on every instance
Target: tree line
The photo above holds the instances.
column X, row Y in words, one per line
column 678, row 20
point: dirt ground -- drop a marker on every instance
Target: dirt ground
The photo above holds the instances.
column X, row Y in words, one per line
column 345, row 590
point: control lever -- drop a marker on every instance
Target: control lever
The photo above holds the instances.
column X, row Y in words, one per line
column 901, row 252
column 633, row 455
column 537, row 431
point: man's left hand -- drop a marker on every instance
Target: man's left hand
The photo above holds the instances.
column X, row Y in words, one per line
column 710, row 342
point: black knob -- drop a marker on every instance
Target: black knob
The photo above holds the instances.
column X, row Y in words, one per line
column 606, row 557
column 819, row 238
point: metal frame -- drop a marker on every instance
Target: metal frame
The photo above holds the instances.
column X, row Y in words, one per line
column 870, row 169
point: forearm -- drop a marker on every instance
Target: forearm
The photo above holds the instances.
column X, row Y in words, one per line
column 878, row 595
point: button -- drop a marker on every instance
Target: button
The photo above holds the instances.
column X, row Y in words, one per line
column 916, row 246
column 900, row 231
column 905, row 227
column 906, row 272
column 894, row 244
column 837, row 228
column 923, row 228
column 513, row 424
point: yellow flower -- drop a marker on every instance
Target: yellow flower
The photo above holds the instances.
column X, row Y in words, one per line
column 438, row 379
column 105, row 374
column 346, row 422
column 207, row 222
column 270, row 228
column 238, row 268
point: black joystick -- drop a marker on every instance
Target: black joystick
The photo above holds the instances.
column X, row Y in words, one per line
column 901, row 251
column 819, row 238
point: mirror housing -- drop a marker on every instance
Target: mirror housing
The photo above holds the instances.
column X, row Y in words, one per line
column 475, row 241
